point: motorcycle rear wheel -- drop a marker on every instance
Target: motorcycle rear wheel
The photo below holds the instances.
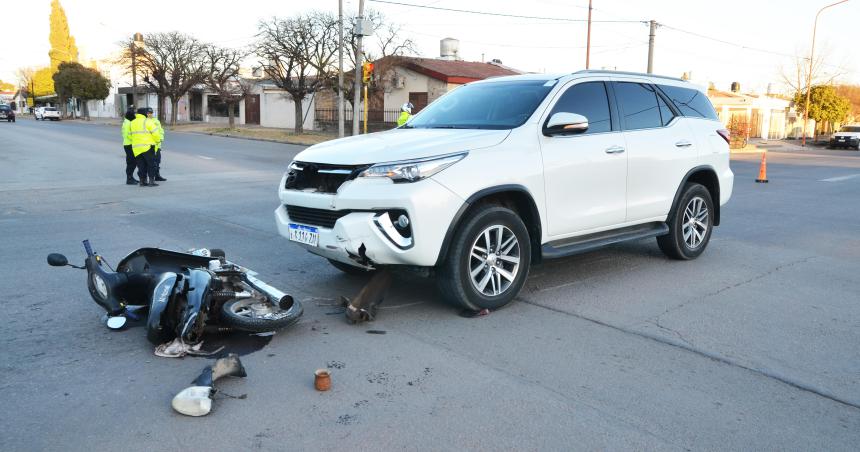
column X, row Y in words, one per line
column 258, row 316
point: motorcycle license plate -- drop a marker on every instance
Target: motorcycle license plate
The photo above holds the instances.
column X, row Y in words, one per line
column 304, row 234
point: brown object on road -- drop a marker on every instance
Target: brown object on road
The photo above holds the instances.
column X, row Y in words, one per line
column 363, row 307
column 322, row 380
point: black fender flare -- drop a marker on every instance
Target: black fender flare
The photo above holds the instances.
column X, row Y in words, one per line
column 715, row 195
column 480, row 194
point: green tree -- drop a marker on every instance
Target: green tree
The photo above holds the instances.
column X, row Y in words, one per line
column 6, row 86
column 825, row 106
column 75, row 80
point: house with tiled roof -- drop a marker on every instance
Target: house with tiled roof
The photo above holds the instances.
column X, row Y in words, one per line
column 401, row 79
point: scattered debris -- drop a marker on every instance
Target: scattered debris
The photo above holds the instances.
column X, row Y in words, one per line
column 196, row 400
column 468, row 313
column 377, row 332
column 362, row 308
column 335, row 365
column 177, row 349
column 322, row 380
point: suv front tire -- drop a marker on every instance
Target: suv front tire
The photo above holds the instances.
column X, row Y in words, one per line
column 488, row 261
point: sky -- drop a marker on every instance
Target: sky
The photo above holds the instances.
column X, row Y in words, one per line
column 760, row 36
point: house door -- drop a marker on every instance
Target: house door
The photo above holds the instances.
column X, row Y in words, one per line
column 252, row 109
column 196, row 106
column 418, row 101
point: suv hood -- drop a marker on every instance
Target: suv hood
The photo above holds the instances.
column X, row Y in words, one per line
column 847, row 134
column 400, row 144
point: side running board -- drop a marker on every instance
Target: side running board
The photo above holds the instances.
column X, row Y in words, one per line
column 590, row 242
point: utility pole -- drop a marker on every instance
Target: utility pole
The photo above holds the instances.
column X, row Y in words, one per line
column 588, row 39
column 359, row 60
column 136, row 42
column 653, row 25
column 340, row 70
column 809, row 74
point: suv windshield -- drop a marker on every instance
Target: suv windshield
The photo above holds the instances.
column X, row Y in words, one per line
column 50, row 109
column 850, row 129
column 493, row 105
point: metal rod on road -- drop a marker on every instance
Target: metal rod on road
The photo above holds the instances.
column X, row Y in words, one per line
column 359, row 57
column 809, row 74
column 588, row 39
column 340, row 119
column 653, row 26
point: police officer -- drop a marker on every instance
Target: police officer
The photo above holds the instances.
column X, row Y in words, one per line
column 405, row 114
column 130, row 162
column 159, row 142
column 144, row 136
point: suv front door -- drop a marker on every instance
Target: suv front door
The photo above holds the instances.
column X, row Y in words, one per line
column 585, row 174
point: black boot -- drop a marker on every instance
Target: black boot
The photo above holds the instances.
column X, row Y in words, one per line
column 131, row 181
column 159, row 178
column 152, row 183
column 143, row 184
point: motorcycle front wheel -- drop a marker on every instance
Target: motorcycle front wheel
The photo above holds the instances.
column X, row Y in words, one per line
column 258, row 316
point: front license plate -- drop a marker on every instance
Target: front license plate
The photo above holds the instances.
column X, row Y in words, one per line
column 304, row 234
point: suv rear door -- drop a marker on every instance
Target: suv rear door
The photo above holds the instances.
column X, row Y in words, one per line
column 661, row 148
column 585, row 174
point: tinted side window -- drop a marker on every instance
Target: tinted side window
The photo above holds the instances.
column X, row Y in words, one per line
column 665, row 112
column 691, row 102
column 639, row 109
column 587, row 99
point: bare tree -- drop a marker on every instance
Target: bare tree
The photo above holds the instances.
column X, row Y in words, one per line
column 27, row 78
column 175, row 62
column 297, row 54
column 146, row 72
column 223, row 77
column 798, row 77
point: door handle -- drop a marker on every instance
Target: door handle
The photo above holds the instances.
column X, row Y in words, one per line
column 683, row 144
column 614, row 149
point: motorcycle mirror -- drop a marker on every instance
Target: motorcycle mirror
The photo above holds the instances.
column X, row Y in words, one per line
column 116, row 323
column 57, row 260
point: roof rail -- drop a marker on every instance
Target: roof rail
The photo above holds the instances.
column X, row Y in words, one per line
column 640, row 74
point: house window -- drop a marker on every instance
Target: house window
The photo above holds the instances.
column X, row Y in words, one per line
column 217, row 107
column 418, row 101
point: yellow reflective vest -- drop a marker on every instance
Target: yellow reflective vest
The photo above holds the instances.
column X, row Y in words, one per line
column 144, row 134
column 160, row 133
column 126, row 132
column 404, row 116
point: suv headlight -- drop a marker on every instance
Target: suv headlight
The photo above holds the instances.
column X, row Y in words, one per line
column 412, row 170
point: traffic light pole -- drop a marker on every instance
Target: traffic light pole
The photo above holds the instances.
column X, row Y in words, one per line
column 359, row 59
column 365, row 108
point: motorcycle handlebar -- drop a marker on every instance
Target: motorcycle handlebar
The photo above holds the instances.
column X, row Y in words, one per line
column 88, row 248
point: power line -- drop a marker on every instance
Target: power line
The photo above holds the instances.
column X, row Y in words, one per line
column 722, row 41
column 486, row 13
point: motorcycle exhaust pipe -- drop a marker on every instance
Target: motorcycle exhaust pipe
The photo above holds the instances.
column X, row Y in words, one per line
column 275, row 296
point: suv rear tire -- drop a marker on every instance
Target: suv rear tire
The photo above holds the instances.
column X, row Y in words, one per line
column 690, row 224
column 488, row 261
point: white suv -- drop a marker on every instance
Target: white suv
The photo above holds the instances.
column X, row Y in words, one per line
column 499, row 174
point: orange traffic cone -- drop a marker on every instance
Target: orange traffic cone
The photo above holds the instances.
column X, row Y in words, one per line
column 762, row 171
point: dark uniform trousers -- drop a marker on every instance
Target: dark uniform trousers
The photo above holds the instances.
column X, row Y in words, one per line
column 146, row 164
column 130, row 162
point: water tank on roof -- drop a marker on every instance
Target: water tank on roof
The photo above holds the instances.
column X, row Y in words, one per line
column 449, row 49
column 736, row 87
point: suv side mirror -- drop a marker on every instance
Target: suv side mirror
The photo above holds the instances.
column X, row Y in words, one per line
column 57, row 260
column 563, row 123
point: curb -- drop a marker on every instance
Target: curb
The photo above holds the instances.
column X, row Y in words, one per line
column 238, row 137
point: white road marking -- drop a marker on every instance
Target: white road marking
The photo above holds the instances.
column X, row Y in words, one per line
column 206, row 158
column 840, row 178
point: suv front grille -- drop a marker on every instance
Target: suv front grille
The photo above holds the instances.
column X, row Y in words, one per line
column 320, row 177
column 315, row 217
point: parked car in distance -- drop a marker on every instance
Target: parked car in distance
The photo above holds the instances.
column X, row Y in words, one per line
column 847, row 137
column 7, row 113
column 502, row 173
column 44, row 113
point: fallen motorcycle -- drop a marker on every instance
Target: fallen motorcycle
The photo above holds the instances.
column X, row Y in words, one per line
column 184, row 295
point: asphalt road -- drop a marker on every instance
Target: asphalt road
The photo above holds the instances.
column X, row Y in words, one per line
column 753, row 346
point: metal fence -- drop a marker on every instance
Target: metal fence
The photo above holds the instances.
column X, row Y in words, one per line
column 378, row 116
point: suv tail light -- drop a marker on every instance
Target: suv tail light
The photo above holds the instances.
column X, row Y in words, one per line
column 725, row 134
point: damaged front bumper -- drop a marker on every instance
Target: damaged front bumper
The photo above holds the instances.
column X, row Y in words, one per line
column 361, row 224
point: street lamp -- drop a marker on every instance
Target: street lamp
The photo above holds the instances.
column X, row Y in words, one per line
column 137, row 42
column 809, row 74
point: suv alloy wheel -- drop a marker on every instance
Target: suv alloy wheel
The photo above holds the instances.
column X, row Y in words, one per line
column 690, row 225
column 488, row 261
